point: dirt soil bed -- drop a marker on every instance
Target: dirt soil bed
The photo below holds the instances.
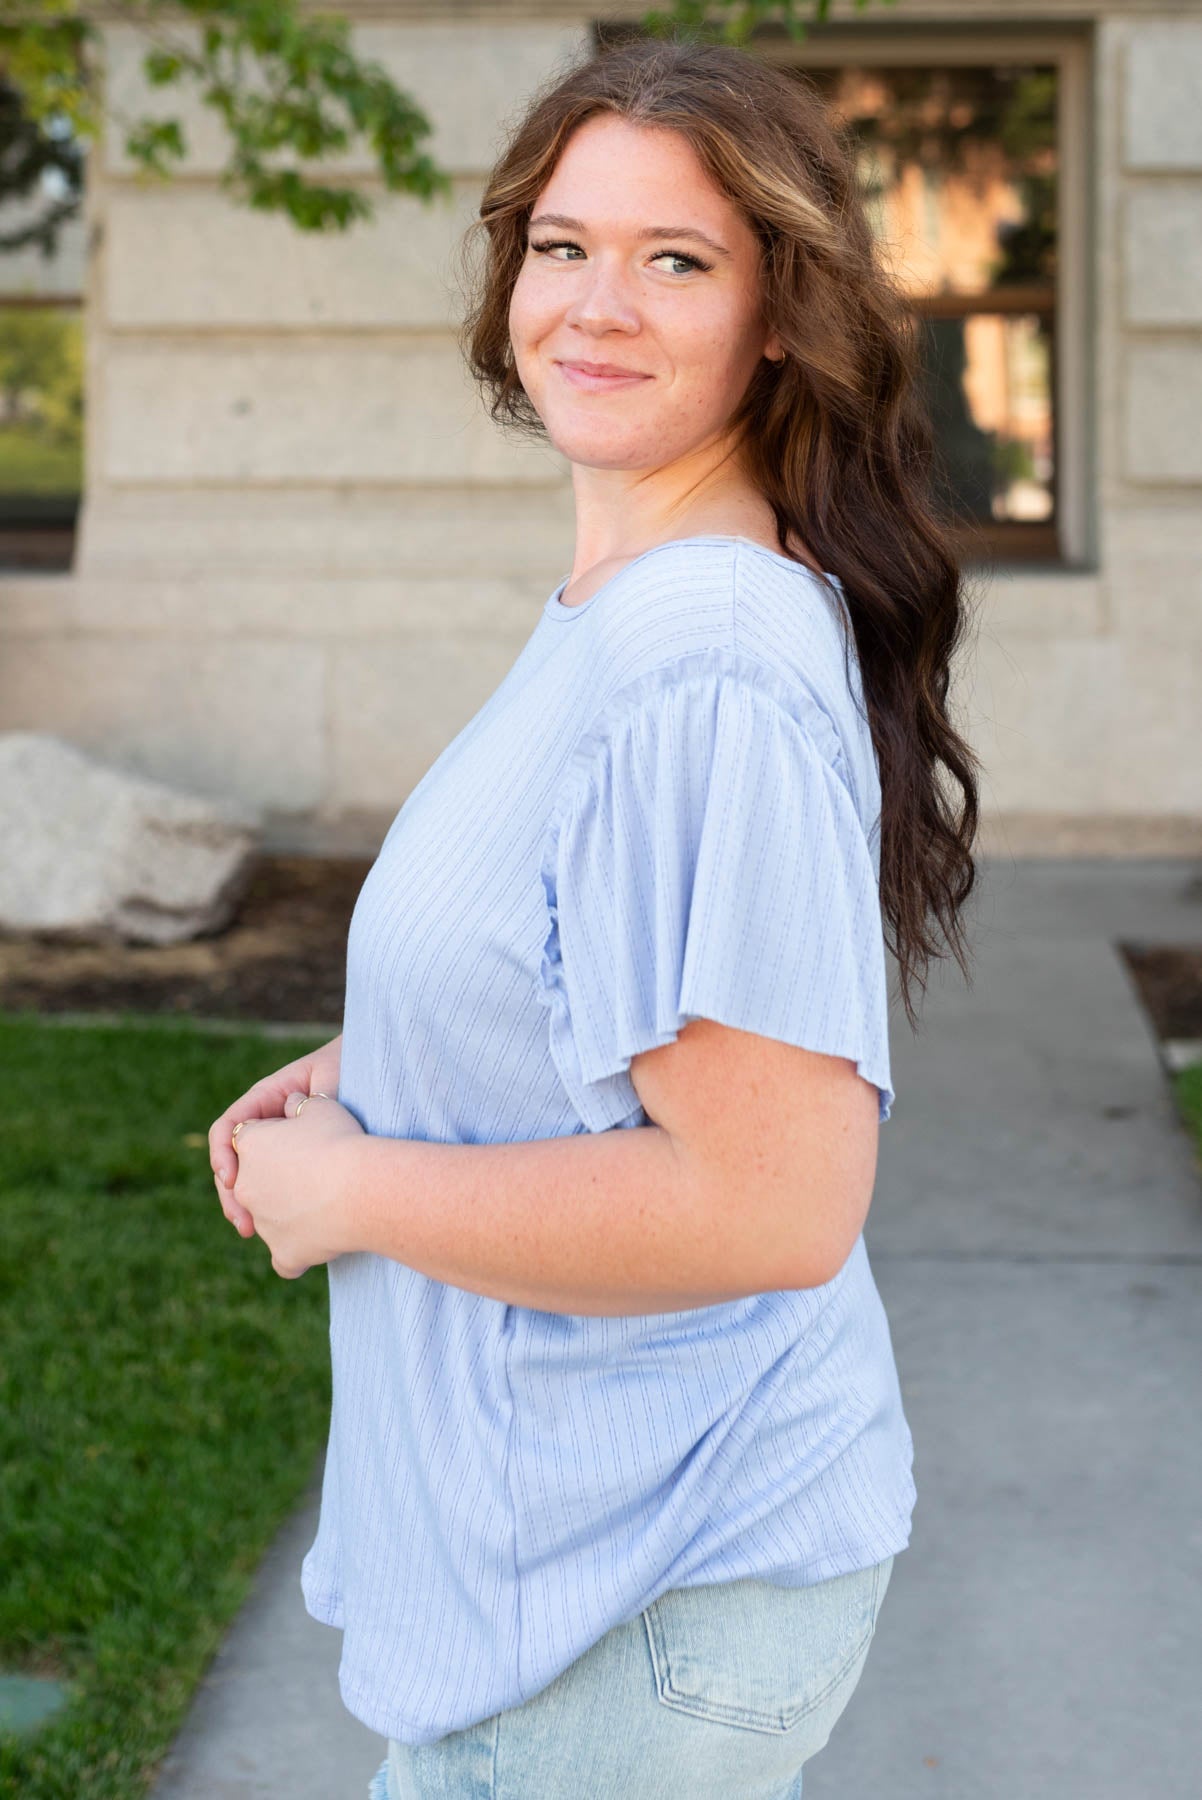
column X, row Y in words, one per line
column 282, row 958
column 1168, row 978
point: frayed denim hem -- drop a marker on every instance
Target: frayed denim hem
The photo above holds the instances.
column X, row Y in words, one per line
column 378, row 1789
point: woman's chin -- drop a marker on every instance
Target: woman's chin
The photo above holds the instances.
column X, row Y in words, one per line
column 595, row 448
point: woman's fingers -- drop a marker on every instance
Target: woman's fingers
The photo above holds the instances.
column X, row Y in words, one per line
column 223, row 1156
column 225, row 1174
column 265, row 1100
column 259, row 1102
column 243, row 1225
column 237, row 1215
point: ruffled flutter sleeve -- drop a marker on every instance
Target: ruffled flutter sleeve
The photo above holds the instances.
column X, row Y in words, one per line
column 705, row 859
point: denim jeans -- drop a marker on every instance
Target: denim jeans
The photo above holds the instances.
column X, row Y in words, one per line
column 720, row 1692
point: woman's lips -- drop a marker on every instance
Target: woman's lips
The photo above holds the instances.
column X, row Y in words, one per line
column 579, row 377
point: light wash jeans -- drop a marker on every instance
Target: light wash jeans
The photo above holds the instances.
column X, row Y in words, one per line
column 720, row 1692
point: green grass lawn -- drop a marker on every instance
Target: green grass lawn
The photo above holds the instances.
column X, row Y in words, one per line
column 164, row 1395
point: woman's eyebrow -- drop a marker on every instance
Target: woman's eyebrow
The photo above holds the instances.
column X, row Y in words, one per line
column 650, row 231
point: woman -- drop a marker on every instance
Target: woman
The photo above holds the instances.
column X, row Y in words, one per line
column 618, row 1465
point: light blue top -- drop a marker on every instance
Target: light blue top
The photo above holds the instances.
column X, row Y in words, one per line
column 668, row 809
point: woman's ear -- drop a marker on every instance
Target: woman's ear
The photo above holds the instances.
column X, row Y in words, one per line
column 774, row 350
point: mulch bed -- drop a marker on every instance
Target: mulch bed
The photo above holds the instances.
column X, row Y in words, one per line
column 283, row 959
column 1168, row 979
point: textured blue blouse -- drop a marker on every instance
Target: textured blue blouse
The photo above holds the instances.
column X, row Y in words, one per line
column 668, row 809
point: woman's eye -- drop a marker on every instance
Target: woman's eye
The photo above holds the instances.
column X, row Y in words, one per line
column 679, row 256
column 676, row 256
column 542, row 249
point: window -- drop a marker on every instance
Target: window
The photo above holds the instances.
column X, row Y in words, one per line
column 41, row 339
column 958, row 167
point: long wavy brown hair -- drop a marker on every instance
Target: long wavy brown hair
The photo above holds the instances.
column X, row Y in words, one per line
column 837, row 437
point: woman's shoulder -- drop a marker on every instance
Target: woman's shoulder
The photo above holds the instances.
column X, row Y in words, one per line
column 753, row 615
column 756, row 611
column 796, row 623
column 726, row 591
column 717, row 608
column 786, row 611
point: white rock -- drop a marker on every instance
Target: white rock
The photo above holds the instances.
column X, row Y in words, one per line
column 92, row 853
column 1181, row 1053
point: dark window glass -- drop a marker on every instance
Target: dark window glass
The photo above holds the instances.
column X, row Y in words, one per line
column 958, row 168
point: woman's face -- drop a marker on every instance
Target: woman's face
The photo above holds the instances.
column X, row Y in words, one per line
column 618, row 273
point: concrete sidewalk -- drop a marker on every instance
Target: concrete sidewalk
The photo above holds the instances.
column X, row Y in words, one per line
column 1036, row 1235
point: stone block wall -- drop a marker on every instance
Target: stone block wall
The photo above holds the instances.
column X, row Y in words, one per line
column 306, row 556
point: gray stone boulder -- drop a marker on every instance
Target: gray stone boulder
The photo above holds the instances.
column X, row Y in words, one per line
column 89, row 853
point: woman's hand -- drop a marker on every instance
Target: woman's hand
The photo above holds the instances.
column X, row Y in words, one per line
column 317, row 1072
column 288, row 1183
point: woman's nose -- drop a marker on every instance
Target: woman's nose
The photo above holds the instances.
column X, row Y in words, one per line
column 603, row 298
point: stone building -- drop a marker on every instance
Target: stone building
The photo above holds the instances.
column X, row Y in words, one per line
column 303, row 556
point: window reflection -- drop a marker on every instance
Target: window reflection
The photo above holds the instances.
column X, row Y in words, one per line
column 41, row 412
column 958, row 168
column 989, row 384
column 42, row 268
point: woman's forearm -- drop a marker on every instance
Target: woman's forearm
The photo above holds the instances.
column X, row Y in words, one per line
column 601, row 1223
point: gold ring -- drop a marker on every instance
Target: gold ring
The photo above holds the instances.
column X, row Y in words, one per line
column 315, row 1095
column 235, row 1131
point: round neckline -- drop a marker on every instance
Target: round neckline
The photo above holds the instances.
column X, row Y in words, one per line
column 555, row 609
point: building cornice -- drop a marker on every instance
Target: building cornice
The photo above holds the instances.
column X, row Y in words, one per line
column 876, row 18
